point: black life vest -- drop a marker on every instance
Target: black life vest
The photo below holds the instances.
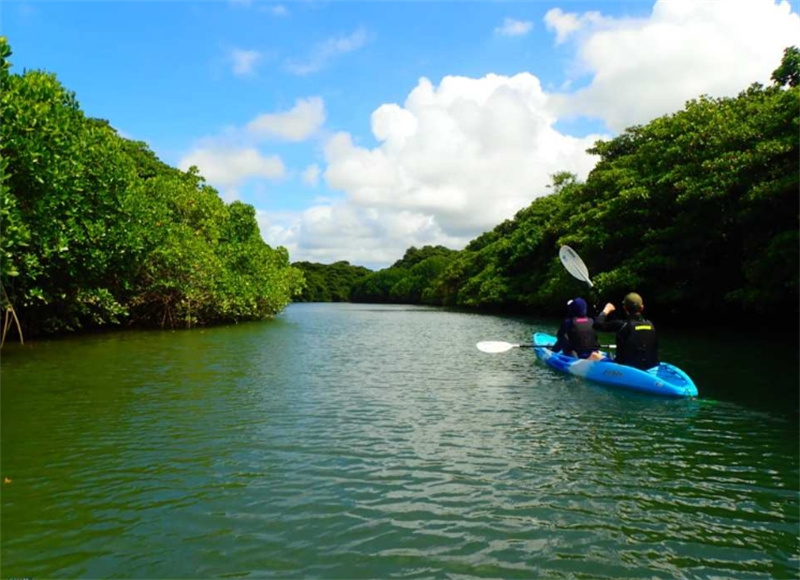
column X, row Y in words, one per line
column 582, row 337
column 637, row 344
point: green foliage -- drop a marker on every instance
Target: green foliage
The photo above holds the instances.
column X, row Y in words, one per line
column 15, row 235
column 329, row 282
column 788, row 73
column 69, row 181
column 407, row 281
column 96, row 230
column 415, row 256
column 377, row 287
column 690, row 210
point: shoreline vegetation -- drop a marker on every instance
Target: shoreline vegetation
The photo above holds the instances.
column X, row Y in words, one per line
column 696, row 210
column 97, row 231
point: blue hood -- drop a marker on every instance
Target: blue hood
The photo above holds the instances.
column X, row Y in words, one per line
column 577, row 308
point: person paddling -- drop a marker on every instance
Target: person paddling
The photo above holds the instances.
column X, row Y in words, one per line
column 637, row 341
column 576, row 336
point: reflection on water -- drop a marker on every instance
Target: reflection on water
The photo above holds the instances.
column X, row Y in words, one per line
column 367, row 441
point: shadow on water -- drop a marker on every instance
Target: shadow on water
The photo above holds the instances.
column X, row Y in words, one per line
column 755, row 370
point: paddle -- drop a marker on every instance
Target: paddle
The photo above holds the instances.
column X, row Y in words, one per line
column 495, row 346
column 574, row 265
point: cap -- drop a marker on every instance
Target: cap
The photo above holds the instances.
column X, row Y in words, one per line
column 577, row 307
column 633, row 302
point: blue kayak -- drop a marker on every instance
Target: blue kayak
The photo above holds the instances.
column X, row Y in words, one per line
column 665, row 379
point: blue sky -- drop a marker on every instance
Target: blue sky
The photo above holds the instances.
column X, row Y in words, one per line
column 359, row 129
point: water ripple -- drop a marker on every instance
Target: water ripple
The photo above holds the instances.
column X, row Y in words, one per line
column 366, row 442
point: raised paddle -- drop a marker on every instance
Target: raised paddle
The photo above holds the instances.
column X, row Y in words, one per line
column 495, row 346
column 574, row 265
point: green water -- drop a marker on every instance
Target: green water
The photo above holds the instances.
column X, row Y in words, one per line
column 363, row 441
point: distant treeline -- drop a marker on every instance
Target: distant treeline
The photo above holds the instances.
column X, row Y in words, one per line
column 409, row 280
column 96, row 230
column 329, row 282
column 697, row 211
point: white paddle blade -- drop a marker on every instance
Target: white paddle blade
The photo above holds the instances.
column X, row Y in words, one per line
column 574, row 265
column 495, row 346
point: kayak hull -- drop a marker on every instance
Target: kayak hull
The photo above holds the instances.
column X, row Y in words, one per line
column 665, row 380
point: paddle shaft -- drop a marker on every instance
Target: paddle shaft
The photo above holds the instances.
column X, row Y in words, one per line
column 509, row 345
column 549, row 345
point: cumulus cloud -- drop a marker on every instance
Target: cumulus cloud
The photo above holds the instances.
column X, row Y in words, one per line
column 228, row 168
column 244, row 61
column 643, row 68
column 297, row 124
column 326, row 51
column 513, row 27
column 469, row 152
column 339, row 230
column 452, row 161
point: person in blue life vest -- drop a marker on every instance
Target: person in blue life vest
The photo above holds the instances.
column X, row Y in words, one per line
column 637, row 341
column 576, row 336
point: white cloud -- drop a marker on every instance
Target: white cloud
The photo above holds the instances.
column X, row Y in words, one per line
column 339, row 230
column 244, row 61
column 311, row 175
column 452, row 162
column 327, row 51
column 227, row 168
column 565, row 25
column 302, row 121
column 232, row 157
column 229, row 194
column 469, row 153
column 513, row 27
column 645, row 68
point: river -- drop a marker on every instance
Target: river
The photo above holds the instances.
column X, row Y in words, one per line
column 367, row 441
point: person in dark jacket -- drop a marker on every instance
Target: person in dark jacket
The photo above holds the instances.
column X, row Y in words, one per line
column 576, row 336
column 637, row 341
